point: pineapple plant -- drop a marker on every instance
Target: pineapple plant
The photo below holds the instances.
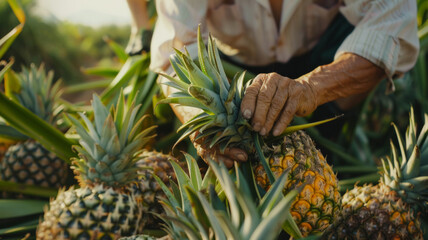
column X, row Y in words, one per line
column 104, row 207
column 28, row 161
column 198, row 210
column 220, row 124
column 392, row 208
column 154, row 163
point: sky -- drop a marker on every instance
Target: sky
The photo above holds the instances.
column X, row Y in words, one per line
column 93, row 13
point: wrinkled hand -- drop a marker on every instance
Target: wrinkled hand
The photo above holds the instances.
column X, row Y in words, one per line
column 229, row 156
column 271, row 101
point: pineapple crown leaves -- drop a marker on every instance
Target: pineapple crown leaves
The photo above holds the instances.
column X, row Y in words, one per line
column 191, row 215
column 207, row 87
column 203, row 84
column 407, row 172
column 35, row 90
column 109, row 146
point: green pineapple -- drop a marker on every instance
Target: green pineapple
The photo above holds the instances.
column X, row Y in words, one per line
column 392, row 208
column 104, row 206
column 221, row 125
column 28, row 161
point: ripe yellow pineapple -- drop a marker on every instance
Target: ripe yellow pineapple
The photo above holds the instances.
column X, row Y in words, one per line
column 318, row 202
column 221, row 125
column 392, row 208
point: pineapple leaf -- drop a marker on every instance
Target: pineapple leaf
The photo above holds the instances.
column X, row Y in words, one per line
column 263, row 159
column 401, row 145
column 271, row 226
column 228, row 188
column 194, row 172
column 216, row 61
column 179, row 69
column 207, row 98
column 412, row 167
column 196, row 76
column 179, row 84
column 202, row 117
column 172, row 200
column 208, row 68
column 7, row 40
column 185, row 101
column 197, row 208
column 5, row 68
column 31, row 125
column 273, row 195
column 183, row 181
column 211, row 214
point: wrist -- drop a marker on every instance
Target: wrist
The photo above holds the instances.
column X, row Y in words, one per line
column 349, row 75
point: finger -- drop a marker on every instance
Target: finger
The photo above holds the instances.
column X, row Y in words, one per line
column 264, row 99
column 248, row 103
column 277, row 105
column 227, row 162
column 286, row 117
column 236, row 154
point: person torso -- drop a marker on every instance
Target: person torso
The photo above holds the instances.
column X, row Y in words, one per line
column 246, row 28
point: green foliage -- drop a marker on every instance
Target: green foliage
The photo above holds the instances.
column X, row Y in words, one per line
column 230, row 211
column 62, row 46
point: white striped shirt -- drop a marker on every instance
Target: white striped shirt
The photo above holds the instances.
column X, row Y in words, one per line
column 385, row 30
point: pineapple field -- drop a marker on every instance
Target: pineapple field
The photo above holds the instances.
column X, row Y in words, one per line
column 108, row 158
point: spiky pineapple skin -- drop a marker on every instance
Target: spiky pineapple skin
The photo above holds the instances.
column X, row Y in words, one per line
column 374, row 212
column 30, row 163
column 91, row 213
column 154, row 163
column 318, row 202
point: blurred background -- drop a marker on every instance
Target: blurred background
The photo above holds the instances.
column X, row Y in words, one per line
column 68, row 36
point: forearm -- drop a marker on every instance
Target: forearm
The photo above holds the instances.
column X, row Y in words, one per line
column 347, row 76
column 140, row 17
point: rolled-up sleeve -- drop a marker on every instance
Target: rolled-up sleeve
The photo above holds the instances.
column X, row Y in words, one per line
column 176, row 26
column 385, row 33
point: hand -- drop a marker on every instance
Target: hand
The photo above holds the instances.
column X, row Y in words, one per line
column 272, row 101
column 229, row 156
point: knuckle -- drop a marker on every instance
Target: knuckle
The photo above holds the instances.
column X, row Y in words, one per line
column 273, row 75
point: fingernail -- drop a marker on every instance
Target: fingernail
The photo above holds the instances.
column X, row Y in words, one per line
column 276, row 132
column 247, row 114
column 263, row 131
column 256, row 127
column 241, row 157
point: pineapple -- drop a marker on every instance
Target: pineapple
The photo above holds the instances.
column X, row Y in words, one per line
column 318, row 202
column 28, row 161
column 221, row 125
column 154, row 163
column 392, row 208
column 104, row 206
